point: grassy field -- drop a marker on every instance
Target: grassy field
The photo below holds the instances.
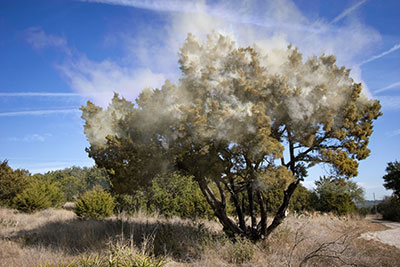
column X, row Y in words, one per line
column 57, row 237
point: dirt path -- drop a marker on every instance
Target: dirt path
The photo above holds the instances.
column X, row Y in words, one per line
column 390, row 236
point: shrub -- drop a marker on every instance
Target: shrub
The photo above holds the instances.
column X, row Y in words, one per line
column 241, row 251
column 130, row 203
column 12, row 182
column 178, row 195
column 39, row 195
column 95, row 203
column 389, row 207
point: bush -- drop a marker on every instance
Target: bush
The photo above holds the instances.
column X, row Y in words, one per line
column 12, row 182
column 39, row 195
column 338, row 203
column 389, row 207
column 241, row 251
column 95, row 203
column 130, row 203
column 178, row 195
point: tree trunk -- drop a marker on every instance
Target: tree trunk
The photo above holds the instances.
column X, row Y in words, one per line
column 281, row 214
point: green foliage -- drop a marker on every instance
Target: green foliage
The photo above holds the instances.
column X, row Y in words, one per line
column 392, row 177
column 130, row 204
column 12, row 182
column 389, row 207
column 75, row 181
column 241, row 251
column 336, row 195
column 301, row 199
column 178, row 195
column 96, row 203
column 118, row 255
column 227, row 122
column 39, row 195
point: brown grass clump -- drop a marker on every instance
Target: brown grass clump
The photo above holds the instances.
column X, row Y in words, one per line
column 58, row 237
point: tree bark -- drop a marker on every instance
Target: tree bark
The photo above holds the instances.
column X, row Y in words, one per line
column 281, row 214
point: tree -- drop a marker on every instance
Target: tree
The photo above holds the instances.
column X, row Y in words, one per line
column 337, row 195
column 392, row 177
column 39, row 194
column 12, row 182
column 227, row 122
column 178, row 195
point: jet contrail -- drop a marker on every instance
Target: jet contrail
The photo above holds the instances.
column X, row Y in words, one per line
column 391, row 50
column 38, row 112
column 22, row 94
column 346, row 12
column 393, row 85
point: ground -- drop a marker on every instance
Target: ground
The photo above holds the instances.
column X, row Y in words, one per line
column 58, row 236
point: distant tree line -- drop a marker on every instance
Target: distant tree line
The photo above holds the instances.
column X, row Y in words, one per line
column 172, row 194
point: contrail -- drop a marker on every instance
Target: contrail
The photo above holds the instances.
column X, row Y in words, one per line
column 346, row 12
column 38, row 112
column 393, row 85
column 391, row 50
column 22, row 94
column 198, row 7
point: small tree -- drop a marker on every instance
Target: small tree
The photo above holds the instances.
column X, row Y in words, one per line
column 12, row 182
column 392, row 177
column 38, row 195
column 96, row 203
column 337, row 195
column 227, row 122
column 178, row 195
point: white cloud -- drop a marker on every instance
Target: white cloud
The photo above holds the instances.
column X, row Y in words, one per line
column 99, row 80
column 31, row 138
column 390, row 102
column 393, row 133
column 39, row 40
column 152, row 52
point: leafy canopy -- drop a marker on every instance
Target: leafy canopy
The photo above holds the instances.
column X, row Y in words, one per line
column 392, row 177
column 228, row 121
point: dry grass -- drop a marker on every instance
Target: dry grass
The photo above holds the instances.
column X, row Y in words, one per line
column 57, row 236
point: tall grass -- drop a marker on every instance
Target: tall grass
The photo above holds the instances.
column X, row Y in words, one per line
column 58, row 237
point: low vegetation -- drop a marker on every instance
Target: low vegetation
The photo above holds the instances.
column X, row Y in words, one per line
column 58, row 238
column 95, row 203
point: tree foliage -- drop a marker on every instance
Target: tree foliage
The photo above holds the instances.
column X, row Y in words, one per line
column 227, row 122
column 12, row 182
column 337, row 195
column 389, row 207
column 392, row 177
column 39, row 195
column 96, row 204
column 75, row 181
column 178, row 195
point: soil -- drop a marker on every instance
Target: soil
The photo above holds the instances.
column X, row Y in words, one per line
column 389, row 236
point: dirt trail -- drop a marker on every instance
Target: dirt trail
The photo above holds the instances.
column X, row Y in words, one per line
column 390, row 236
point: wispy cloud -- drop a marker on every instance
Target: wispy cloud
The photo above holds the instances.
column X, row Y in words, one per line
column 39, row 40
column 31, row 138
column 243, row 11
column 391, row 50
column 39, row 94
column 391, row 86
column 270, row 24
column 39, row 112
column 393, row 133
column 99, row 80
column 390, row 102
column 347, row 11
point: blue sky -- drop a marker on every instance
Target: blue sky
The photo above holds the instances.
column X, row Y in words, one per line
column 55, row 55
